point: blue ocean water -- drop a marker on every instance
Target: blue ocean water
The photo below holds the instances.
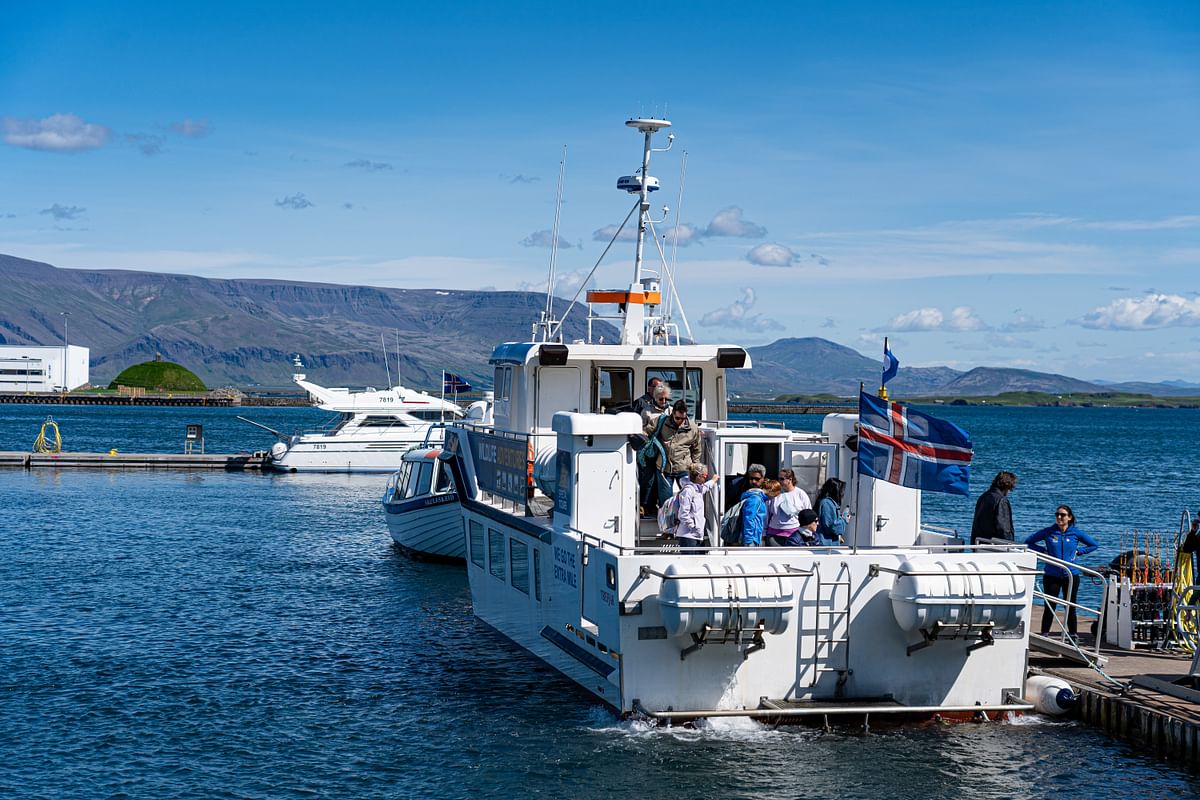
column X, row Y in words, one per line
column 201, row 635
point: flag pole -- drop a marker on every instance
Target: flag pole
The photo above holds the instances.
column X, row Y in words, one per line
column 883, row 395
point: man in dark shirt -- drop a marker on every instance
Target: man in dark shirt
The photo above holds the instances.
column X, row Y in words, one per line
column 993, row 514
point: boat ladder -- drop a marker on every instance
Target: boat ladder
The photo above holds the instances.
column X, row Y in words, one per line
column 831, row 628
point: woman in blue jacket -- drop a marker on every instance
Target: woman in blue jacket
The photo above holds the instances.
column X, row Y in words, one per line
column 831, row 525
column 1063, row 541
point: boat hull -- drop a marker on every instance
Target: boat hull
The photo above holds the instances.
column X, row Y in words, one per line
column 428, row 528
column 601, row 619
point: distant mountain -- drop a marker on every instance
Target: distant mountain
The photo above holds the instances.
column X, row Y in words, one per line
column 1163, row 389
column 245, row 332
column 813, row 366
column 992, row 380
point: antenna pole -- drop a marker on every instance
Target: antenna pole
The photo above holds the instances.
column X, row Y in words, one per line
column 386, row 364
column 562, row 168
column 644, row 215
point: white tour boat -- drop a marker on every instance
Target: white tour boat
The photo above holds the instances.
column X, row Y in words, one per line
column 903, row 619
column 375, row 428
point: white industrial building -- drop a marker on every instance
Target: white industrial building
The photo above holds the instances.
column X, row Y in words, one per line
column 32, row 368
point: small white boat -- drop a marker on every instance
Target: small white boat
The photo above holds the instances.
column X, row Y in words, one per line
column 375, row 428
column 422, row 509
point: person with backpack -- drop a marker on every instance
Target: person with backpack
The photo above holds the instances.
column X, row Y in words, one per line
column 689, row 533
column 674, row 444
column 754, row 516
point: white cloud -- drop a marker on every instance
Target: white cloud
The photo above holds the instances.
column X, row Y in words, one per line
column 296, row 202
column 566, row 284
column 729, row 222
column 961, row 319
column 1145, row 313
column 771, row 255
column 545, row 239
column 605, row 234
column 1165, row 224
column 369, row 166
column 192, row 128
column 150, row 144
column 1022, row 323
column 736, row 315
column 688, row 234
column 63, row 212
column 59, row 132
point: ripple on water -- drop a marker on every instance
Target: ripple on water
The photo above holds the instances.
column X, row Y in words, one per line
column 171, row 635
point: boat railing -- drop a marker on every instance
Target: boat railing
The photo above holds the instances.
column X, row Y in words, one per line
column 1063, row 641
column 748, row 424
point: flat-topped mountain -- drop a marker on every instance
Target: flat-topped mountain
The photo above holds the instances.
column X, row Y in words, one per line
column 245, row 333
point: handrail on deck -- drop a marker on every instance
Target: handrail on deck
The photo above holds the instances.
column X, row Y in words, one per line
column 1099, row 613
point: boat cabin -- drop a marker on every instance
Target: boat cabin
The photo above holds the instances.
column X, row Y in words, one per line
column 534, row 381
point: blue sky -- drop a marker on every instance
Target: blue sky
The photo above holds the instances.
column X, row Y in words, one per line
column 1012, row 184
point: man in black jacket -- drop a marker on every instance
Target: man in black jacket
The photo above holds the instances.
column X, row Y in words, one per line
column 993, row 514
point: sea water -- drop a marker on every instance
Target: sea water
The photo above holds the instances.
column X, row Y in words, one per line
column 174, row 634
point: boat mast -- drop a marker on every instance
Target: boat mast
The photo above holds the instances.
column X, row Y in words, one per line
column 633, row 329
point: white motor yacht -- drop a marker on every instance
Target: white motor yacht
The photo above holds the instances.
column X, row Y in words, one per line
column 375, row 428
column 901, row 620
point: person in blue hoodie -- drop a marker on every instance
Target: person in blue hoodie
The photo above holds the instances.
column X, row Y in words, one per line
column 754, row 516
column 1063, row 541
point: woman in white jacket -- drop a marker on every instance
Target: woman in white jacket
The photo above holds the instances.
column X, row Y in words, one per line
column 689, row 534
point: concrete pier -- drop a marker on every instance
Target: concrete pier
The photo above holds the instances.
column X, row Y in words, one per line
column 225, row 461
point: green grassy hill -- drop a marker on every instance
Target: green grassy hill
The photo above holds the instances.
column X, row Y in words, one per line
column 161, row 376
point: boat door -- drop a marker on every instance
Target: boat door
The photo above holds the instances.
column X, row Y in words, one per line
column 813, row 463
column 558, row 389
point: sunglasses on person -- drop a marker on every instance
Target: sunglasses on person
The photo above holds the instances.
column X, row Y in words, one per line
column 1059, row 514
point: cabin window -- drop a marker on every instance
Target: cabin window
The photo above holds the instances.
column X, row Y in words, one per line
column 444, row 484
column 613, row 390
column 811, row 470
column 425, row 478
column 503, row 382
column 518, row 554
column 537, row 574
column 412, row 482
column 401, row 480
column 496, row 553
column 381, row 422
column 686, row 384
column 476, row 543
column 430, row 414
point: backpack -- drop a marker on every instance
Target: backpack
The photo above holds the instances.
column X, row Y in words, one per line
column 653, row 449
column 668, row 515
column 731, row 526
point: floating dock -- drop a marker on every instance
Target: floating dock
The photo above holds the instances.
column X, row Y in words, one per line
column 234, row 462
column 1151, row 713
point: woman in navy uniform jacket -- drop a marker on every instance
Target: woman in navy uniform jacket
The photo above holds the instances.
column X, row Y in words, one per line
column 1063, row 541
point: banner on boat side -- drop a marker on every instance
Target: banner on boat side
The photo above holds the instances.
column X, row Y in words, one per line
column 501, row 464
column 900, row 445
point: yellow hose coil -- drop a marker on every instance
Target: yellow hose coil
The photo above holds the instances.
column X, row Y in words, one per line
column 43, row 445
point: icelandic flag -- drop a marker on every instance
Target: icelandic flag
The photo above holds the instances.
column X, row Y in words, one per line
column 900, row 445
column 454, row 384
column 891, row 365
